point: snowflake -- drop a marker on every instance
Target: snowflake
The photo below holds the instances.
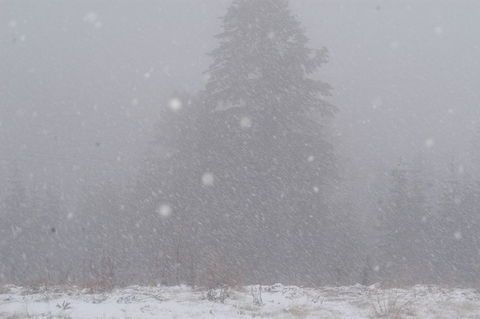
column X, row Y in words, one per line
column 208, row 179
column 438, row 30
column 164, row 210
column 394, row 45
column 429, row 142
column 245, row 122
column 175, row 104
column 377, row 102
column 457, row 235
column 92, row 18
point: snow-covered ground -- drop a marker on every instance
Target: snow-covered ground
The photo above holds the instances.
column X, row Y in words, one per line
column 275, row 301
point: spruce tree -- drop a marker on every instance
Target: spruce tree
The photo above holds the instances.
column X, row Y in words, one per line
column 268, row 148
column 248, row 170
column 263, row 63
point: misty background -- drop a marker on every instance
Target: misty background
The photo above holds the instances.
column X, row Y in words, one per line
column 83, row 86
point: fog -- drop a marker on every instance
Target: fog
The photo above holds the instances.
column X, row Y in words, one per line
column 85, row 87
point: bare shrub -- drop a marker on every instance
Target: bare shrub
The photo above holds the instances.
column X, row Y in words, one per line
column 219, row 294
column 391, row 306
column 64, row 306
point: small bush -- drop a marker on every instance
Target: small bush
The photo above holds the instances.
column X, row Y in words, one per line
column 391, row 307
column 219, row 294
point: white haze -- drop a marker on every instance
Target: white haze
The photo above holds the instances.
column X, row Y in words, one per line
column 83, row 83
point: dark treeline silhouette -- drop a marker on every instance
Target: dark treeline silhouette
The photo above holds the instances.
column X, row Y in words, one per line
column 242, row 185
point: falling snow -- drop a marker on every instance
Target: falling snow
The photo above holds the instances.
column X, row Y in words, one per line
column 457, row 235
column 169, row 162
column 208, row 179
column 92, row 19
column 164, row 210
column 245, row 122
column 175, row 104
column 429, row 142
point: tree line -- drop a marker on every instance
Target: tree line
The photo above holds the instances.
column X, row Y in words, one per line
column 243, row 185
